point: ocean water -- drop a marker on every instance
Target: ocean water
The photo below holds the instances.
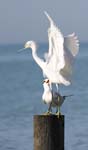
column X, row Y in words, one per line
column 20, row 98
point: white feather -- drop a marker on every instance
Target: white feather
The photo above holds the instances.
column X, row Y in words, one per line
column 71, row 43
column 57, row 66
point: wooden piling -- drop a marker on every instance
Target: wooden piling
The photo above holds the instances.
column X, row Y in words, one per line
column 48, row 132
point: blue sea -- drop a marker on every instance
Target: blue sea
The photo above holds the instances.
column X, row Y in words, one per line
column 20, row 98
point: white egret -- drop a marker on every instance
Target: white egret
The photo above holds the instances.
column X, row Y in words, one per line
column 53, row 99
column 58, row 61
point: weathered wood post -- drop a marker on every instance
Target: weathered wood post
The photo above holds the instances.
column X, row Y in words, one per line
column 48, row 132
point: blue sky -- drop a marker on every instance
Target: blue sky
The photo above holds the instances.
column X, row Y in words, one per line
column 22, row 20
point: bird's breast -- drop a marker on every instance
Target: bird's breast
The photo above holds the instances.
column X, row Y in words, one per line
column 47, row 97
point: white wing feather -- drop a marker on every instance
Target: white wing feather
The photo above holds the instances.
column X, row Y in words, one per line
column 56, row 47
column 67, row 70
column 62, row 51
column 71, row 43
column 71, row 46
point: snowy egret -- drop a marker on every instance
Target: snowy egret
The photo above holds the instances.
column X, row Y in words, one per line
column 57, row 66
column 53, row 99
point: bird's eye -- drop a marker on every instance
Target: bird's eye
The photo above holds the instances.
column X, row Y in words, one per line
column 47, row 81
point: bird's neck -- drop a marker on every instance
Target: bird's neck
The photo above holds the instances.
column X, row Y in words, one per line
column 47, row 88
column 38, row 60
column 34, row 48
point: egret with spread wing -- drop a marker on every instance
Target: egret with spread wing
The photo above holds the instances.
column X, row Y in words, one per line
column 58, row 61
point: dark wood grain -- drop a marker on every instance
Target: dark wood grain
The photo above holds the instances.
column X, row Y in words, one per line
column 48, row 132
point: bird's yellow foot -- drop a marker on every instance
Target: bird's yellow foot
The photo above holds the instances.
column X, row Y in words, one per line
column 47, row 113
column 58, row 114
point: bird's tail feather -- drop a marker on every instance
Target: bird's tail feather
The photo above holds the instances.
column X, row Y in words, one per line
column 68, row 95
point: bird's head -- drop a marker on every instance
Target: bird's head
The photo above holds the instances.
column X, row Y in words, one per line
column 46, row 81
column 30, row 44
column 46, row 84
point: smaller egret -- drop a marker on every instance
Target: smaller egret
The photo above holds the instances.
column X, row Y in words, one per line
column 53, row 99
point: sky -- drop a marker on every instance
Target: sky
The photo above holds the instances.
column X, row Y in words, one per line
column 23, row 20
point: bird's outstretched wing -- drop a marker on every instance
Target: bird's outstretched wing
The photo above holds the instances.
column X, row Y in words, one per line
column 56, row 48
column 71, row 43
column 62, row 51
column 71, row 47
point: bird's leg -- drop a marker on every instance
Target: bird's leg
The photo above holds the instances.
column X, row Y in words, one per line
column 57, row 87
column 51, row 86
column 58, row 111
column 49, row 110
